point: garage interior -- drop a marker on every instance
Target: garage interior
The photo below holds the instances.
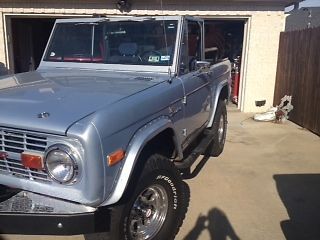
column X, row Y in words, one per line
column 224, row 39
column 29, row 39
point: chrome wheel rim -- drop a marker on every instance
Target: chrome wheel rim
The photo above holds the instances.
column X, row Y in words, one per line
column 221, row 128
column 148, row 212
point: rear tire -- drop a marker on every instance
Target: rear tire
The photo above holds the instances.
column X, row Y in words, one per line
column 218, row 130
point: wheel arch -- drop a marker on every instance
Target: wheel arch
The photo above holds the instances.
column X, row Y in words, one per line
column 221, row 93
column 145, row 140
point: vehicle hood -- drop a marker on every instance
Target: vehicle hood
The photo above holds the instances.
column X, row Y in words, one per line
column 67, row 96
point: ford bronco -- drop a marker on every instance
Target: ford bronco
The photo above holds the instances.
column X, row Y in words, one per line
column 99, row 137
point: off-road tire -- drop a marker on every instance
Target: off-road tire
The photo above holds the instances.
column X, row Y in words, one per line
column 157, row 172
column 218, row 130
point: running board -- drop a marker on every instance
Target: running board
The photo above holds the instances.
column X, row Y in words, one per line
column 193, row 154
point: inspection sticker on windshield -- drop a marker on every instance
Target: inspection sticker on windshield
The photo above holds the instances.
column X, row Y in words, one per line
column 165, row 58
column 154, row 59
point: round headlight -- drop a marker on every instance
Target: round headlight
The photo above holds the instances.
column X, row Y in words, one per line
column 60, row 163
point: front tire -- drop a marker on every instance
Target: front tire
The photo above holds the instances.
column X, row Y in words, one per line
column 158, row 205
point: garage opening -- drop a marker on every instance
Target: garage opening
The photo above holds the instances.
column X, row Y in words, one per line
column 224, row 39
column 29, row 39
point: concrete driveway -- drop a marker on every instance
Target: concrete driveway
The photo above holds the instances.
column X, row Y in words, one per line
column 264, row 186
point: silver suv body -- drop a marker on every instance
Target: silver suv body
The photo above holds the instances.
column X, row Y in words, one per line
column 73, row 131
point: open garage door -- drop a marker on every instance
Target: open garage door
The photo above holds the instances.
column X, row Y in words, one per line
column 29, row 38
column 225, row 39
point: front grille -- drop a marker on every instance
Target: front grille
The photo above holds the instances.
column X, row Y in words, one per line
column 14, row 142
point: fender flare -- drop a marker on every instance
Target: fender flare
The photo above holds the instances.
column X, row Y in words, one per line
column 215, row 101
column 136, row 145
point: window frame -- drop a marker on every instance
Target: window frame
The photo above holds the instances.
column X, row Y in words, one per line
column 185, row 30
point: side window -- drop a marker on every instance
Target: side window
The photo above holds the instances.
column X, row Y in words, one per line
column 190, row 47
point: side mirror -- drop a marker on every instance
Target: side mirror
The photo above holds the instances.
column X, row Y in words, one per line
column 203, row 66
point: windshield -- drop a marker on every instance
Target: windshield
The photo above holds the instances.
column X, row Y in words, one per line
column 121, row 42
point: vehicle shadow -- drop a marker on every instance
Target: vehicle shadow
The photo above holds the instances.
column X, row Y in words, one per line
column 300, row 194
column 216, row 223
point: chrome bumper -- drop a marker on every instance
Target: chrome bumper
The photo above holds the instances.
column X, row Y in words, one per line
column 29, row 213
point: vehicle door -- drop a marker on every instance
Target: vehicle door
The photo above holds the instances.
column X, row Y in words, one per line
column 195, row 81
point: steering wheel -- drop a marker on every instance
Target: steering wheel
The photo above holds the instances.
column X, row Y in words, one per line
column 146, row 55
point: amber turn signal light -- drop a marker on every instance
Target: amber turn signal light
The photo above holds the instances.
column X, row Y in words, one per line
column 115, row 157
column 32, row 160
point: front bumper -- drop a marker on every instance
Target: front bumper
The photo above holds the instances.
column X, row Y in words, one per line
column 33, row 214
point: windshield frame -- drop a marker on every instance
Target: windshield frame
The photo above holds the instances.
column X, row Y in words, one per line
column 115, row 67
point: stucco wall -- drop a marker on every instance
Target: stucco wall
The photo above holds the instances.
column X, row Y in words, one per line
column 264, row 26
column 262, row 59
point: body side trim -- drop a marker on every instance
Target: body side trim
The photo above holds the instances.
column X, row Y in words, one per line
column 197, row 89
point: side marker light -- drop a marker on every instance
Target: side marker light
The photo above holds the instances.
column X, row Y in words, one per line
column 115, row 157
